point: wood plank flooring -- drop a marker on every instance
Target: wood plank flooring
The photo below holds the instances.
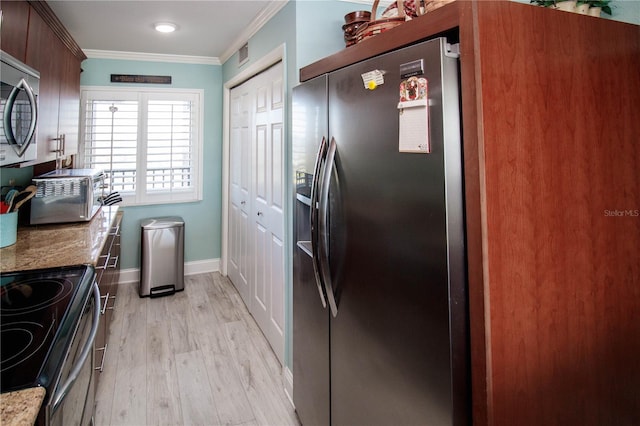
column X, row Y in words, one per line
column 194, row 358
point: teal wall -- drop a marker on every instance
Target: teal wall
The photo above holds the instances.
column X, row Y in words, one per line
column 203, row 218
column 20, row 177
column 319, row 28
column 279, row 30
column 625, row 11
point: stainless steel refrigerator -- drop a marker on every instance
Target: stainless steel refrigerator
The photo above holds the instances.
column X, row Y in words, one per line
column 380, row 333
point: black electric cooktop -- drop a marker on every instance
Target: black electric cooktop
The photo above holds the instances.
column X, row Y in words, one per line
column 38, row 312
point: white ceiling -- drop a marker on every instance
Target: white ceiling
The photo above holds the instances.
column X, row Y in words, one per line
column 206, row 28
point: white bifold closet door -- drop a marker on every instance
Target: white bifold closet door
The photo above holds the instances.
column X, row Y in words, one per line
column 256, row 205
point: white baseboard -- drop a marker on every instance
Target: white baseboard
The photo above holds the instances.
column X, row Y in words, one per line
column 190, row 268
column 287, row 378
column 202, row 266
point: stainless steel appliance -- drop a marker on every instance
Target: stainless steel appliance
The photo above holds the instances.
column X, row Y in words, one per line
column 67, row 195
column 19, row 110
column 48, row 322
column 161, row 256
column 379, row 292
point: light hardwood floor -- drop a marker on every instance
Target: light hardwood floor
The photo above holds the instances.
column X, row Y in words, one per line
column 194, row 358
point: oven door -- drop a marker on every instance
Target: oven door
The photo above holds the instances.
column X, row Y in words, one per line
column 74, row 399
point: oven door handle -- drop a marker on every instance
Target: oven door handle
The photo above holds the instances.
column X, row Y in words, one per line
column 86, row 351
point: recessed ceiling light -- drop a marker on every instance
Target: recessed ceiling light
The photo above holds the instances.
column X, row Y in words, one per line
column 165, row 27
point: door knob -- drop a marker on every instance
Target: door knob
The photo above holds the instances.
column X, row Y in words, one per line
column 259, row 213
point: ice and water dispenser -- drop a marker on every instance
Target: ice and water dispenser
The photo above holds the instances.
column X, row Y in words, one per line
column 303, row 211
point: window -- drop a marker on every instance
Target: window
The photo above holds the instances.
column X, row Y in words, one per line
column 148, row 141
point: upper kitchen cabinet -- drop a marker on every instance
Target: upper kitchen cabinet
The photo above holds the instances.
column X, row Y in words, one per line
column 43, row 54
column 48, row 48
column 69, row 106
column 15, row 23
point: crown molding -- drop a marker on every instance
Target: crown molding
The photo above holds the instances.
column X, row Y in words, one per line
column 150, row 57
column 48, row 16
column 263, row 17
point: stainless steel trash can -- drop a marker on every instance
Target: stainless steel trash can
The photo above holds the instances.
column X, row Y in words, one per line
column 162, row 256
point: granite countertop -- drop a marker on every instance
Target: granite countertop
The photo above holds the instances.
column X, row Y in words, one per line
column 47, row 246
column 20, row 408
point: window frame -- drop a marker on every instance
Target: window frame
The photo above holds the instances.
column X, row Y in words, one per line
column 142, row 95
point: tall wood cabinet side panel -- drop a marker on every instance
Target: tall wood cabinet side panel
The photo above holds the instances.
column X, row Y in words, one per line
column 15, row 21
column 471, row 138
column 560, row 105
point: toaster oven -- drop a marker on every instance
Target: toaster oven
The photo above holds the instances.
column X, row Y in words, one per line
column 67, row 195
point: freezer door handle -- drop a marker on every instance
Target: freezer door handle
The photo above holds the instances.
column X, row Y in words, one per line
column 323, row 241
column 313, row 217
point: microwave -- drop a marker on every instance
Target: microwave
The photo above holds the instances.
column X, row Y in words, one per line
column 19, row 111
column 67, row 195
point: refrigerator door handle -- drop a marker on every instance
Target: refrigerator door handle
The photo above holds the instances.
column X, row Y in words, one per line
column 323, row 241
column 322, row 150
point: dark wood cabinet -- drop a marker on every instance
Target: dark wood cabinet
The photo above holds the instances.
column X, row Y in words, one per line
column 43, row 54
column 108, row 272
column 69, row 106
column 15, row 21
column 549, row 104
column 35, row 36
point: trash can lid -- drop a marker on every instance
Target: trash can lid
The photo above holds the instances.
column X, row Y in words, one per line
column 162, row 222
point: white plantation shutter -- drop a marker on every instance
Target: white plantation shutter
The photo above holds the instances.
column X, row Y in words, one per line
column 148, row 141
column 111, row 141
column 169, row 142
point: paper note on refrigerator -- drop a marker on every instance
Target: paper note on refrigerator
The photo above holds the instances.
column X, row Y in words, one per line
column 373, row 79
column 414, row 126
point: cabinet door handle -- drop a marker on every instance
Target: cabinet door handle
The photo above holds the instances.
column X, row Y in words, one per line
column 104, row 354
column 114, row 265
column 59, row 144
column 106, row 260
column 113, row 306
column 104, row 307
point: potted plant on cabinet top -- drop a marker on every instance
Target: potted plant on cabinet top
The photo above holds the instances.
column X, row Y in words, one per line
column 596, row 6
column 591, row 7
column 566, row 5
